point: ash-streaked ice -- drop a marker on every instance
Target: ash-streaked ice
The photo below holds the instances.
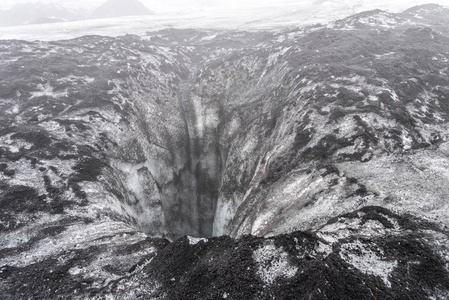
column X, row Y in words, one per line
column 224, row 150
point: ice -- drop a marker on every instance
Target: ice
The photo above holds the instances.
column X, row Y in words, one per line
column 144, row 203
column 77, row 236
column 15, row 238
column 224, row 214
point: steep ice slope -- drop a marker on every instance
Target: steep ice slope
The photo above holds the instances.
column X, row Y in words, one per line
column 339, row 131
column 337, row 99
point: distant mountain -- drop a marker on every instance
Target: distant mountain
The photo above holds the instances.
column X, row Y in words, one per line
column 120, row 8
column 31, row 13
column 368, row 19
column 429, row 13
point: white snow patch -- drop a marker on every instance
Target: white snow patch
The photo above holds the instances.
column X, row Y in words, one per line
column 323, row 248
column 345, row 227
column 23, row 235
column 209, row 37
column 273, row 263
column 406, row 180
column 75, row 271
column 76, row 79
column 194, row 240
column 336, row 231
column 377, row 56
column 96, row 268
column 368, row 261
column 53, row 127
column 47, row 90
column 14, row 145
column 407, row 140
column 25, row 176
column 13, row 110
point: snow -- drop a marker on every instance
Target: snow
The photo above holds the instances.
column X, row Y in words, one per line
column 378, row 56
column 13, row 110
column 134, row 289
column 95, row 269
column 368, row 261
column 407, row 140
column 14, row 145
column 194, row 240
column 294, row 192
column 209, row 38
column 337, row 231
column 273, row 263
column 73, row 79
column 47, row 90
column 421, row 175
column 324, row 249
column 15, row 238
column 25, row 176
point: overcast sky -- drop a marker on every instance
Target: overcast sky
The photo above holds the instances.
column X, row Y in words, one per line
column 160, row 5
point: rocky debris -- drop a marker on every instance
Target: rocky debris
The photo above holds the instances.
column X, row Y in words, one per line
column 370, row 253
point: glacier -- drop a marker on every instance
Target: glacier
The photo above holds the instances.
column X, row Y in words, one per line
column 203, row 163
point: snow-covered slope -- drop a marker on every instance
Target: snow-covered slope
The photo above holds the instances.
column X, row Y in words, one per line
column 301, row 163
